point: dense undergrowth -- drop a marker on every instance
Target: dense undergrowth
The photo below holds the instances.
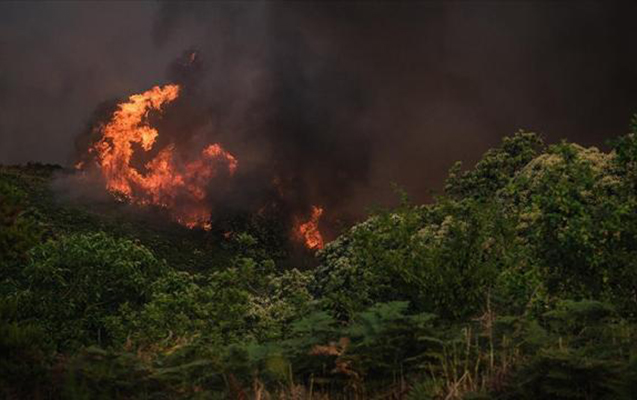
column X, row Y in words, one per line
column 519, row 282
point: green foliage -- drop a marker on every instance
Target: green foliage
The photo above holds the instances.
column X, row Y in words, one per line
column 183, row 307
column 580, row 223
column 518, row 283
column 74, row 284
column 625, row 160
column 98, row 373
column 381, row 342
column 283, row 298
column 249, row 300
column 387, row 341
column 586, row 353
column 564, row 375
column 560, row 226
column 549, row 237
column 23, row 363
column 495, row 169
column 18, row 232
column 442, row 259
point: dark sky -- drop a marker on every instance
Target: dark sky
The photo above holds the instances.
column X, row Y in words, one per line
column 396, row 91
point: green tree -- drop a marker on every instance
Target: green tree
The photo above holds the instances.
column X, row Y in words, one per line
column 73, row 284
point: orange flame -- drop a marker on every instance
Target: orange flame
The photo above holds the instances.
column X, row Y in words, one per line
column 180, row 187
column 309, row 233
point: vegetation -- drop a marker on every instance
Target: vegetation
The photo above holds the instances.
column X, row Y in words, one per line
column 518, row 282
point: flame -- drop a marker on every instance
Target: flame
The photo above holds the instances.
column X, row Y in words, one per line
column 309, row 233
column 177, row 186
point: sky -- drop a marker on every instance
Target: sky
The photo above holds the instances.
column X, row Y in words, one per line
column 353, row 95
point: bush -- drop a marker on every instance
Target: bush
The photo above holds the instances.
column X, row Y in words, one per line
column 182, row 308
column 247, row 301
column 495, row 169
column 580, row 223
column 585, row 353
column 524, row 231
column 443, row 259
column 73, row 284
column 18, row 233
column 519, row 282
column 23, row 365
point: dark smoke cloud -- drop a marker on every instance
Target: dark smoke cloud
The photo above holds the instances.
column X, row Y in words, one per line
column 338, row 98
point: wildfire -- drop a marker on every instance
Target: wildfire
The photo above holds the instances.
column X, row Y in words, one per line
column 167, row 182
column 309, row 233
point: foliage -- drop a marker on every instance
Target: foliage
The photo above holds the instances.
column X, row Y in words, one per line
column 23, row 365
column 519, row 282
column 382, row 341
column 580, row 223
column 586, row 353
column 73, row 285
column 98, row 373
column 496, row 167
column 444, row 258
column 18, row 231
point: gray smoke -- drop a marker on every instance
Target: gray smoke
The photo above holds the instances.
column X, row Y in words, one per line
column 339, row 99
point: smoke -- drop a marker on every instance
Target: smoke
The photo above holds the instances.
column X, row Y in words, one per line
column 334, row 100
column 295, row 121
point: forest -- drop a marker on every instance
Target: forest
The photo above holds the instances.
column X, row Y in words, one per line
column 518, row 281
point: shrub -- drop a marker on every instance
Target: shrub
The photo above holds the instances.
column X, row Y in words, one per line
column 23, row 365
column 18, row 233
column 443, row 259
column 73, row 284
column 580, row 224
column 495, row 169
column 183, row 307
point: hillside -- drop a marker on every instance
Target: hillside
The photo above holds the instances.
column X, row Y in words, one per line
column 518, row 282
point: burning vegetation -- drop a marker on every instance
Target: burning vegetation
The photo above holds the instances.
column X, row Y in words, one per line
column 309, row 233
column 166, row 181
column 217, row 154
column 141, row 166
column 394, row 295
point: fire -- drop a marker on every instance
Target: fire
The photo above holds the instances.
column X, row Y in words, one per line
column 309, row 233
column 167, row 182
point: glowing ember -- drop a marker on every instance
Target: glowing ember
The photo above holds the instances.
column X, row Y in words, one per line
column 309, row 233
column 178, row 186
